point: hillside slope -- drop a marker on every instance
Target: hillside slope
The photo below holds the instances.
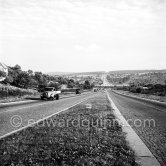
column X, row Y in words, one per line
column 141, row 78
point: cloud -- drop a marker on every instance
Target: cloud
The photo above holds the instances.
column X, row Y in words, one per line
column 53, row 18
column 107, row 29
column 79, row 47
column 90, row 47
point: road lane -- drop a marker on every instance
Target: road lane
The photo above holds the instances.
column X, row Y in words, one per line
column 156, row 104
column 148, row 120
column 15, row 118
column 32, row 102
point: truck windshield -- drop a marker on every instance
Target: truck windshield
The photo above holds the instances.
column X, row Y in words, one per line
column 49, row 89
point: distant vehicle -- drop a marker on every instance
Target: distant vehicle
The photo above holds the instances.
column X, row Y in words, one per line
column 75, row 90
column 50, row 93
column 78, row 91
column 95, row 89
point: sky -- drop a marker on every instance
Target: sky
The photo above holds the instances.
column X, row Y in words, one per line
column 83, row 35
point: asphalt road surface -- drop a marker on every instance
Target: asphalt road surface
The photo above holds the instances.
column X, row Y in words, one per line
column 18, row 116
column 105, row 81
column 148, row 120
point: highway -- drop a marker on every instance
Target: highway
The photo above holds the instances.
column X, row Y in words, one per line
column 18, row 116
column 105, row 81
column 148, row 120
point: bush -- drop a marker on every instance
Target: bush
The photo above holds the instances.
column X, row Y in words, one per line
column 2, row 74
column 9, row 91
column 160, row 94
column 133, row 89
column 138, row 90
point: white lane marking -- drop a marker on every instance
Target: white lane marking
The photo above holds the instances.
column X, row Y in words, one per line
column 40, row 120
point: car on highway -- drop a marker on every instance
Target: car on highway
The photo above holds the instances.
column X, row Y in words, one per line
column 50, row 93
column 95, row 89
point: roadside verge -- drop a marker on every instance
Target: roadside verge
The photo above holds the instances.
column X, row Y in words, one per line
column 142, row 99
column 143, row 155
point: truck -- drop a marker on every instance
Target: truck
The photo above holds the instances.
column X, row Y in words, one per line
column 70, row 90
column 50, row 93
column 95, row 89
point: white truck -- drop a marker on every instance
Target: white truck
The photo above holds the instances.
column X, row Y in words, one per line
column 50, row 93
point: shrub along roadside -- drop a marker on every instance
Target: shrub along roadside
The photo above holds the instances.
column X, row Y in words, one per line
column 71, row 138
column 11, row 91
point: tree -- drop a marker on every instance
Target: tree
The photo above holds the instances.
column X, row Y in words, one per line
column 62, row 80
column 92, row 85
column 138, row 90
column 2, row 74
column 13, row 72
column 17, row 69
column 71, row 83
column 30, row 72
column 54, row 84
column 9, row 79
column 87, row 85
column 23, row 80
column 38, row 77
column 77, row 84
column 165, row 88
column 33, row 83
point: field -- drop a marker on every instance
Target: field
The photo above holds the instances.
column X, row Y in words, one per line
column 138, row 78
column 84, row 135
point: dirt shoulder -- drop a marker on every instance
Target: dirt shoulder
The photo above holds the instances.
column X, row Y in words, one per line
column 86, row 134
column 17, row 98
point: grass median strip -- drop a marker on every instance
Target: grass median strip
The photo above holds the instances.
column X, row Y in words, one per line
column 86, row 134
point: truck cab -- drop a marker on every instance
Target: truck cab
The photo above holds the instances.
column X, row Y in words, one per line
column 50, row 93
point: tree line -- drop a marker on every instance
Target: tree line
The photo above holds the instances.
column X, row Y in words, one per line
column 33, row 80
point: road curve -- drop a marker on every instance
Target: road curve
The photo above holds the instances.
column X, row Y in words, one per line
column 148, row 120
column 19, row 116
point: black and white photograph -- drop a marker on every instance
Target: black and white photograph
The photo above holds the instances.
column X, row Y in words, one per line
column 82, row 82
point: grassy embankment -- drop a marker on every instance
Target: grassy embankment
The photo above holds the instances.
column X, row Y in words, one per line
column 80, row 136
column 11, row 93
